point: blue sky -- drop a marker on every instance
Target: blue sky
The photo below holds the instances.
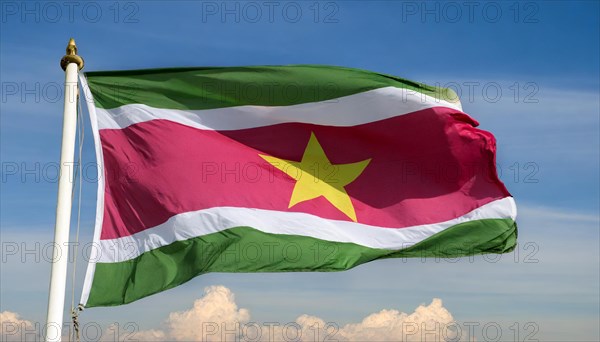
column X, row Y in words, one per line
column 542, row 57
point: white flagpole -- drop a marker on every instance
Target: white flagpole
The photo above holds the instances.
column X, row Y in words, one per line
column 71, row 64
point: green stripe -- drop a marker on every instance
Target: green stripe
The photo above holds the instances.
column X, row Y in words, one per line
column 244, row 249
column 206, row 88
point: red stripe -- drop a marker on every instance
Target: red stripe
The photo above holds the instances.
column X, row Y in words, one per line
column 426, row 167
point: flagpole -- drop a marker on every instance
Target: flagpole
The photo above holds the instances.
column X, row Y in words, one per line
column 71, row 63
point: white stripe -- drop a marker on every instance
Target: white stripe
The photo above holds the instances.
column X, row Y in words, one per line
column 365, row 107
column 89, row 275
column 202, row 222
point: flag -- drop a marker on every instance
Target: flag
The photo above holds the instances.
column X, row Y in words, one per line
column 282, row 168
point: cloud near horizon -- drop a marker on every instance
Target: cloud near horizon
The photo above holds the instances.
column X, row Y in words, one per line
column 13, row 328
column 216, row 317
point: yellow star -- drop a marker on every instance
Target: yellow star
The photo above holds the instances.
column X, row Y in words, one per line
column 315, row 176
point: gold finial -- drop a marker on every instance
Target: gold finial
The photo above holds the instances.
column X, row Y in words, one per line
column 71, row 47
column 71, row 56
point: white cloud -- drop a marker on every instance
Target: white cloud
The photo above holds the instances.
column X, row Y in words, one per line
column 428, row 323
column 13, row 328
column 216, row 317
column 215, row 312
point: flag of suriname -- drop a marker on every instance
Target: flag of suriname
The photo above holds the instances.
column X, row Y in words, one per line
column 282, row 168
